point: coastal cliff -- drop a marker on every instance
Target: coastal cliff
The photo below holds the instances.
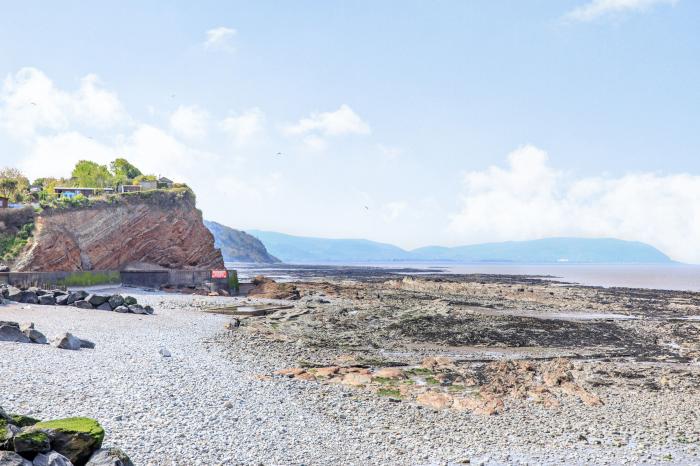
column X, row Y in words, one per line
column 239, row 246
column 156, row 229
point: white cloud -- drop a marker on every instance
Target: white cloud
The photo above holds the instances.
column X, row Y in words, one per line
column 190, row 121
column 29, row 102
column 340, row 122
column 242, row 128
column 599, row 8
column 530, row 199
column 219, row 37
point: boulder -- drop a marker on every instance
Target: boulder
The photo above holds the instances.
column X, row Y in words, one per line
column 67, row 341
column 164, row 352
column 13, row 293
column 122, row 309
column 86, row 344
column 75, row 438
column 7, row 434
column 28, row 297
column 23, row 421
column 149, row 309
column 129, row 300
column 57, row 293
column 12, row 333
column 96, row 299
column 109, row 457
column 35, row 336
column 51, row 458
column 32, row 442
column 115, row 301
column 10, row 458
column 62, row 300
column 137, row 309
column 104, row 307
column 76, row 296
column 82, row 304
column 4, row 268
column 37, row 291
column 47, row 300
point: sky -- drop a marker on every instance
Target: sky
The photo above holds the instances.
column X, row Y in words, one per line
column 408, row 122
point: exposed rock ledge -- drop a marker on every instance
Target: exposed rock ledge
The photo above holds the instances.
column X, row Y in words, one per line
column 162, row 228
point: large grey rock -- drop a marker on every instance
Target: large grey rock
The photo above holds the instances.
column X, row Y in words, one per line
column 51, row 458
column 76, row 296
column 7, row 435
column 12, row 333
column 62, row 300
column 82, row 304
column 115, row 301
column 149, row 309
column 96, row 299
column 37, row 291
column 28, row 297
column 76, row 441
column 109, row 457
column 129, row 300
column 137, row 309
column 67, row 341
column 10, row 324
column 47, row 300
column 104, row 307
column 57, row 293
column 122, row 309
column 13, row 293
column 35, row 336
column 10, row 458
column 31, row 442
column 87, row 344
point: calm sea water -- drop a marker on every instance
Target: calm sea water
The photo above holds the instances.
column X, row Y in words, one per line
column 654, row 276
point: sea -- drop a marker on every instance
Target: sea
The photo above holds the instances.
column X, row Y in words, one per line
column 674, row 276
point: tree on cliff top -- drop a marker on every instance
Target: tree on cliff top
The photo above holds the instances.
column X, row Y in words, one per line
column 14, row 184
column 91, row 175
column 123, row 170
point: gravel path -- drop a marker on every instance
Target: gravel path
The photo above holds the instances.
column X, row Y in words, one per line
column 205, row 405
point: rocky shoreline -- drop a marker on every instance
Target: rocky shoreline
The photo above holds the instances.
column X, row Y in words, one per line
column 562, row 398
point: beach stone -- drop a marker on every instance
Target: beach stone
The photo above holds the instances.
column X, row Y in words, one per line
column 29, row 297
column 13, row 333
column 13, row 293
column 137, row 309
column 75, row 438
column 10, row 458
column 435, row 400
column 67, row 341
column 31, row 442
column 96, row 299
column 356, row 379
column 164, row 352
column 104, row 307
column 76, row 296
column 115, row 301
column 57, row 293
column 122, row 309
column 47, row 300
column 86, row 344
column 82, row 304
column 37, row 291
column 7, row 434
column 109, row 457
column 389, row 373
column 148, row 309
column 62, row 300
column 51, row 458
column 129, row 300
column 35, row 336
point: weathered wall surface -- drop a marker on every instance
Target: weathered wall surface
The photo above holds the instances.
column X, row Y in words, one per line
column 161, row 229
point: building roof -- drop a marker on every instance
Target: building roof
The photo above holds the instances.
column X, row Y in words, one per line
column 163, row 179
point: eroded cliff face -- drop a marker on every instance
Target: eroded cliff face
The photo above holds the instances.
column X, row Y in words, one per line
column 142, row 230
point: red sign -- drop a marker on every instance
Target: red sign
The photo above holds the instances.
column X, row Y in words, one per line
column 219, row 274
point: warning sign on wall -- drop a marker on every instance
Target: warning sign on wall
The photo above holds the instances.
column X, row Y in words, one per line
column 219, row 274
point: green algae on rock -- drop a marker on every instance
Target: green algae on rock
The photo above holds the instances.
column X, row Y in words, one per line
column 75, row 438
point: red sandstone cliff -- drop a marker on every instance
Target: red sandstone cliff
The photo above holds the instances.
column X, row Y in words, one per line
column 151, row 229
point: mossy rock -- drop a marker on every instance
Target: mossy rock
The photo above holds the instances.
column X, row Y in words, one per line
column 5, row 436
column 23, row 421
column 31, row 442
column 75, row 438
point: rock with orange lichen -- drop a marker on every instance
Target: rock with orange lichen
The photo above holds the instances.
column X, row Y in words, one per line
column 389, row 373
column 435, row 400
column 356, row 379
column 291, row 372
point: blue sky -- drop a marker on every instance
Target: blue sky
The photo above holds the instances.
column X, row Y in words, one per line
column 452, row 122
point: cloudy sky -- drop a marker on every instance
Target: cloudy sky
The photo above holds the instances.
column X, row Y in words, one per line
column 407, row 122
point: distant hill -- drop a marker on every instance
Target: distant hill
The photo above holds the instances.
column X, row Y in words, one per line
column 303, row 249
column 298, row 249
column 239, row 246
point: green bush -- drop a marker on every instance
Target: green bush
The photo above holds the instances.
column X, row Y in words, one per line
column 12, row 245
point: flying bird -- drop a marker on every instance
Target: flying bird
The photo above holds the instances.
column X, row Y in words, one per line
column 279, row 153
column 366, row 208
column 33, row 103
